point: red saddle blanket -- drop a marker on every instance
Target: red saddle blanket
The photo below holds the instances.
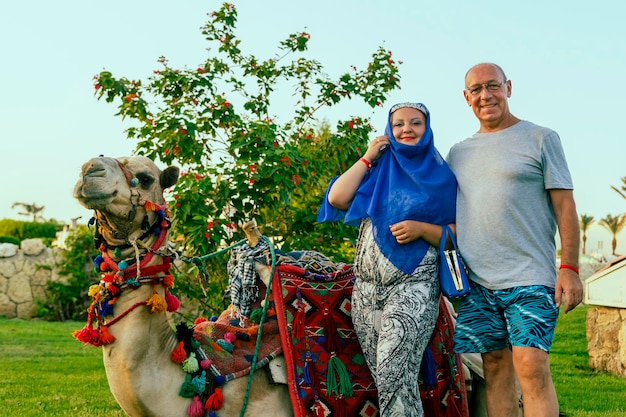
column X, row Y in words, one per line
column 326, row 368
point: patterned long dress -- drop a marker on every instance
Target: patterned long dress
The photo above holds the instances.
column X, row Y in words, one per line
column 394, row 315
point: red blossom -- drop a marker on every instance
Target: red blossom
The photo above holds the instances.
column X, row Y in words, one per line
column 251, row 181
column 157, row 72
column 198, row 176
column 286, row 160
column 182, row 131
column 232, row 226
column 305, row 162
column 253, row 168
column 209, row 225
column 296, row 179
column 351, row 124
column 207, row 235
column 97, row 86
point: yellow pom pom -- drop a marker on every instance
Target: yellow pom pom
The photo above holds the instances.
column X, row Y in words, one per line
column 157, row 303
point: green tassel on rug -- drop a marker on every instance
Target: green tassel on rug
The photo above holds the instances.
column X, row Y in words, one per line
column 338, row 381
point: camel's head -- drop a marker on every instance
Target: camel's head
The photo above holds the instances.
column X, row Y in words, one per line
column 118, row 190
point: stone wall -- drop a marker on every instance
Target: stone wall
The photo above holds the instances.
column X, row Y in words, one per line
column 24, row 276
column 606, row 339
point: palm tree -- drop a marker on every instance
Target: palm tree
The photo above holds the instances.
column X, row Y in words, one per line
column 585, row 222
column 621, row 192
column 614, row 225
column 29, row 210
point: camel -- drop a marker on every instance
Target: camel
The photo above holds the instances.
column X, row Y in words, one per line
column 126, row 195
column 135, row 332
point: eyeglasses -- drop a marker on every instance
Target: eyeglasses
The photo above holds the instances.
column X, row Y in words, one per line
column 492, row 87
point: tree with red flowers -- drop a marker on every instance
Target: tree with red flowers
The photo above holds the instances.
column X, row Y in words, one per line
column 239, row 162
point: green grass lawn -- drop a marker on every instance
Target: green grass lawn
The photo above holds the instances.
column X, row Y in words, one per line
column 582, row 392
column 45, row 372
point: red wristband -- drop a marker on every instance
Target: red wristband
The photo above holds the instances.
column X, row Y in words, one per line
column 366, row 162
column 564, row 266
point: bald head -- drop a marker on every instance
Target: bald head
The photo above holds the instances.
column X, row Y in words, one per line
column 487, row 64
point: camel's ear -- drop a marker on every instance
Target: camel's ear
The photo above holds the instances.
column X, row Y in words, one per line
column 169, row 177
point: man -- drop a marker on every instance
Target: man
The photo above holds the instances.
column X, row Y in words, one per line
column 515, row 189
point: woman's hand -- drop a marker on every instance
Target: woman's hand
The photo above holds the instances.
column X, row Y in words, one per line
column 376, row 148
column 406, row 231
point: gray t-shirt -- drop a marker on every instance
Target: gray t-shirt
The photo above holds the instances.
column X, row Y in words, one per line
column 505, row 221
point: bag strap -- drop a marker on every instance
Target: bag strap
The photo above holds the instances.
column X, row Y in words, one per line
column 445, row 231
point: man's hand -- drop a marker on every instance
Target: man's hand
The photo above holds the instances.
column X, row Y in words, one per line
column 568, row 285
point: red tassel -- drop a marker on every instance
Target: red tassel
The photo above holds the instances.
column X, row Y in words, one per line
column 196, row 409
column 172, row 302
column 87, row 335
column 106, row 338
column 339, row 407
column 318, row 409
column 298, row 324
column 178, row 354
column 453, row 410
column 330, row 331
column 168, row 281
column 216, row 400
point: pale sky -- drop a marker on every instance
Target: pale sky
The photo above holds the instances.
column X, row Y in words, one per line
column 566, row 60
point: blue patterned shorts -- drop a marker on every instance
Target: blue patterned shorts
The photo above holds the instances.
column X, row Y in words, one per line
column 490, row 320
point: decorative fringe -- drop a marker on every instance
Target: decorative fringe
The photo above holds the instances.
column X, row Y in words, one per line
column 196, row 408
column 215, row 400
column 173, row 304
column 190, row 365
column 338, row 380
column 86, row 335
column 330, row 331
column 255, row 316
column 199, row 382
column 310, row 372
column 156, row 303
column 318, row 409
column 205, row 363
column 298, row 324
column 106, row 338
column 453, row 409
column 219, row 380
column 430, row 404
column 179, row 354
column 186, row 390
column 168, row 281
column 339, row 407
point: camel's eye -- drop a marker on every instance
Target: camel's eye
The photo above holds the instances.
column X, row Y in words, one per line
column 145, row 180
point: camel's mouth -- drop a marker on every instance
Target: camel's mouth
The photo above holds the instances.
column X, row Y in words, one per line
column 94, row 192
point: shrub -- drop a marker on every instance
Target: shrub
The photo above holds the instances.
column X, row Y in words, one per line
column 68, row 300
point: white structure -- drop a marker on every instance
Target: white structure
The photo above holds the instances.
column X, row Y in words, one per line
column 607, row 287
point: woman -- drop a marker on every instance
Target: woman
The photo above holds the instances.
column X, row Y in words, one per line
column 400, row 192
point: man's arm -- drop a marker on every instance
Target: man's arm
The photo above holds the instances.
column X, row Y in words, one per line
column 568, row 282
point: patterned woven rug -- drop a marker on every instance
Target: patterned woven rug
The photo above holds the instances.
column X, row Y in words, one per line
column 326, row 369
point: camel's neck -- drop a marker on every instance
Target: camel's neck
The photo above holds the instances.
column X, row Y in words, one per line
column 129, row 284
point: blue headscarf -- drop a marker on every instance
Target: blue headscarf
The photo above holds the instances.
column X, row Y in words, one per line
column 407, row 182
